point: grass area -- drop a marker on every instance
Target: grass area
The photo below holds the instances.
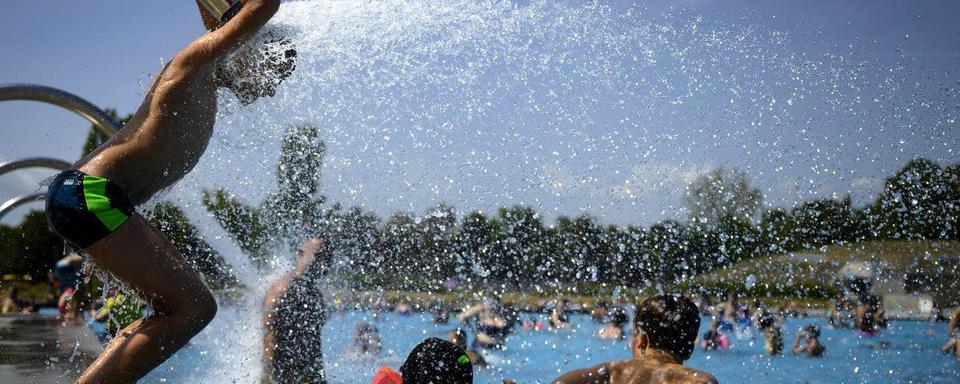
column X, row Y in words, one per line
column 814, row 273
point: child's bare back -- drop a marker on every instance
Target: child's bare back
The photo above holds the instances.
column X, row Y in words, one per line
column 167, row 135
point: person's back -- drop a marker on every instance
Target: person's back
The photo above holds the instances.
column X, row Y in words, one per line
column 665, row 331
column 298, row 321
column 169, row 132
column 295, row 318
column 655, row 368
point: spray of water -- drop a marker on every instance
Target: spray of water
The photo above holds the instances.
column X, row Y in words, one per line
column 566, row 108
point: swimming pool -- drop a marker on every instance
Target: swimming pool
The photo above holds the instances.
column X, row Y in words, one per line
column 908, row 352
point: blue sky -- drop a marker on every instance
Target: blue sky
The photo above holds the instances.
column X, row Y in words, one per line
column 813, row 99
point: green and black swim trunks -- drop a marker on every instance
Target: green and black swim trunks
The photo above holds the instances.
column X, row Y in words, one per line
column 82, row 209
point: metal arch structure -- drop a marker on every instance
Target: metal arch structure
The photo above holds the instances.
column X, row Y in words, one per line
column 15, row 202
column 63, row 99
column 33, row 162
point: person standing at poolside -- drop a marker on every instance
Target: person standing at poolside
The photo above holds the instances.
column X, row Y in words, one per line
column 664, row 333
column 92, row 205
column 67, row 271
column 294, row 315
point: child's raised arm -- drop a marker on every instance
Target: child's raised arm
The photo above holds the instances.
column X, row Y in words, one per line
column 217, row 43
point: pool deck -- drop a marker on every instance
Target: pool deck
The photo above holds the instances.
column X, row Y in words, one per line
column 38, row 348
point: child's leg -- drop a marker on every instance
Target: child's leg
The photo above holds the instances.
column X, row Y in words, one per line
column 138, row 254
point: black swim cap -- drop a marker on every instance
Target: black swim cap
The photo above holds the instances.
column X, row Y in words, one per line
column 437, row 361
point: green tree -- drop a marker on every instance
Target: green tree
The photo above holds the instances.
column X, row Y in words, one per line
column 290, row 213
column 915, row 202
column 29, row 248
column 719, row 194
column 479, row 251
column 823, row 222
column 952, row 206
column 95, row 138
column 523, row 243
column 436, row 231
column 776, row 229
column 175, row 226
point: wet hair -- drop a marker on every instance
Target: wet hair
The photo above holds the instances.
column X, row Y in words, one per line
column 460, row 335
column 618, row 316
column 670, row 323
column 367, row 338
column 436, row 361
column 812, row 330
column 766, row 321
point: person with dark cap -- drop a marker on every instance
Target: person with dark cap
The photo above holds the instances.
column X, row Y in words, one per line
column 433, row 361
column 664, row 333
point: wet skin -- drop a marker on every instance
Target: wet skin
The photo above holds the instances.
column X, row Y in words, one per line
column 652, row 367
column 648, row 365
column 158, row 146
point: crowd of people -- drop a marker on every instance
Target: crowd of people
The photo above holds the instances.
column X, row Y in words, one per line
column 664, row 328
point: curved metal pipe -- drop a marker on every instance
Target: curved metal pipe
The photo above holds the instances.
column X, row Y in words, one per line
column 67, row 100
column 33, row 162
column 15, row 202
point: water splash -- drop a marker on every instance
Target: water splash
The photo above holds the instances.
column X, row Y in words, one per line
column 563, row 107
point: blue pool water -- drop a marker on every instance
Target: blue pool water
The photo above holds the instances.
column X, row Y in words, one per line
column 908, row 352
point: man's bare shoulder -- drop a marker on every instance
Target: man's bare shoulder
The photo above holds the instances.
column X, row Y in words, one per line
column 676, row 373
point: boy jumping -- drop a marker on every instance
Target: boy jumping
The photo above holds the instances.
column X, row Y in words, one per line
column 92, row 205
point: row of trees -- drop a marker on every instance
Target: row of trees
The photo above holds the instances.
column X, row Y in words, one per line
column 515, row 249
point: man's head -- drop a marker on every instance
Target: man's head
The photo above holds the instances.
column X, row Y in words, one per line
column 618, row 317
column 667, row 323
column 811, row 331
column 438, row 362
column 254, row 71
column 458, row 337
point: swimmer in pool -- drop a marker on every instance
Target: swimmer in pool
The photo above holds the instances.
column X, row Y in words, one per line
column 772, row 335
column 614, row 328
column 954, row 323
column 366, row 342
column 810, row 345
column 712, row 338
column 459, row 337
column 294, row 315
column 491, row 327
column 664, row 334
column 953, row 345
column 92, row 205
column 867, row 315
column 558, row 317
